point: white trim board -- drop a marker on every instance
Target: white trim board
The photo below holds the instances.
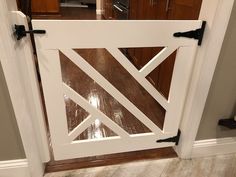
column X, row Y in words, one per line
column 212, row 147
column 14, row 168
column 217, row 14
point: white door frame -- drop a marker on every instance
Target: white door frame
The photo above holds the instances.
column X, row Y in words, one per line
column 215, row 12
column 18, row 66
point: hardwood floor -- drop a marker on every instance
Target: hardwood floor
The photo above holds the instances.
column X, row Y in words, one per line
column 106, row 65
column 217, row 166
column 154, row 154
column 73, row 13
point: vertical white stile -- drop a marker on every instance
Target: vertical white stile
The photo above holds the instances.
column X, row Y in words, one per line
column 50, row 70
column 179, row 85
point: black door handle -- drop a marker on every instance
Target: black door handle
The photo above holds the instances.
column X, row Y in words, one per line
column 20, row 31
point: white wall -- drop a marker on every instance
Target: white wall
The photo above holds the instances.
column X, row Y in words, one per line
column 10, row 142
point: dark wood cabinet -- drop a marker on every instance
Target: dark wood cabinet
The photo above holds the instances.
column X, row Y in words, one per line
column 160, row 10
column 45, row 6
column 107, row 9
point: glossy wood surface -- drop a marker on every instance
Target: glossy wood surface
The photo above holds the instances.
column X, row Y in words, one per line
column 105, row 64
column 45, row 6
column 96, row 161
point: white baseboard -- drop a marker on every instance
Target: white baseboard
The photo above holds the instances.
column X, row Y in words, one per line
column 212, row 147
column 14, row 168
column 99, row 11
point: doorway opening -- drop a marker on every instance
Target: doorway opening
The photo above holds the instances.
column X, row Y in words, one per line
column 107, row 66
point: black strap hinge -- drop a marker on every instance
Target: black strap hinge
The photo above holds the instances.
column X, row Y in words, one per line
column 195, row 34
column 20, row 31
column 174, row 139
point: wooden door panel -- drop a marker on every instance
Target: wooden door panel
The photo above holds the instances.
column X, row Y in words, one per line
column 45, row 6
column 52, row 6
column 184, row 9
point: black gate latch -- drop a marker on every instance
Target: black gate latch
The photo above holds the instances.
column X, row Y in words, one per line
column 195, row 34
column 20, row 31
column 174, row 139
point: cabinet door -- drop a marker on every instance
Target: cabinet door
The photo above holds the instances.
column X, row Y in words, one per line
column 107, row 6
column 177, row 10
column 184, row 9
column 45, row 6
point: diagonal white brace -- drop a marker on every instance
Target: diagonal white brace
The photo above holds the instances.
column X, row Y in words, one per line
column 157, row 60
column 81, row 127
column 78, row 99
column 121, row 58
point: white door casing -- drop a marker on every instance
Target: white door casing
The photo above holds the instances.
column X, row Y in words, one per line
column 66, row 35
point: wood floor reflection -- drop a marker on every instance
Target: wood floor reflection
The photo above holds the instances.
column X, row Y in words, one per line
column 106, row 65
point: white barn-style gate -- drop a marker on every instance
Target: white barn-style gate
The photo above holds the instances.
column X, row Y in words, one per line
column 66, row 35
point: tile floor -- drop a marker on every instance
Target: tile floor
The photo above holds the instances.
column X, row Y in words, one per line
column 219, row 166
